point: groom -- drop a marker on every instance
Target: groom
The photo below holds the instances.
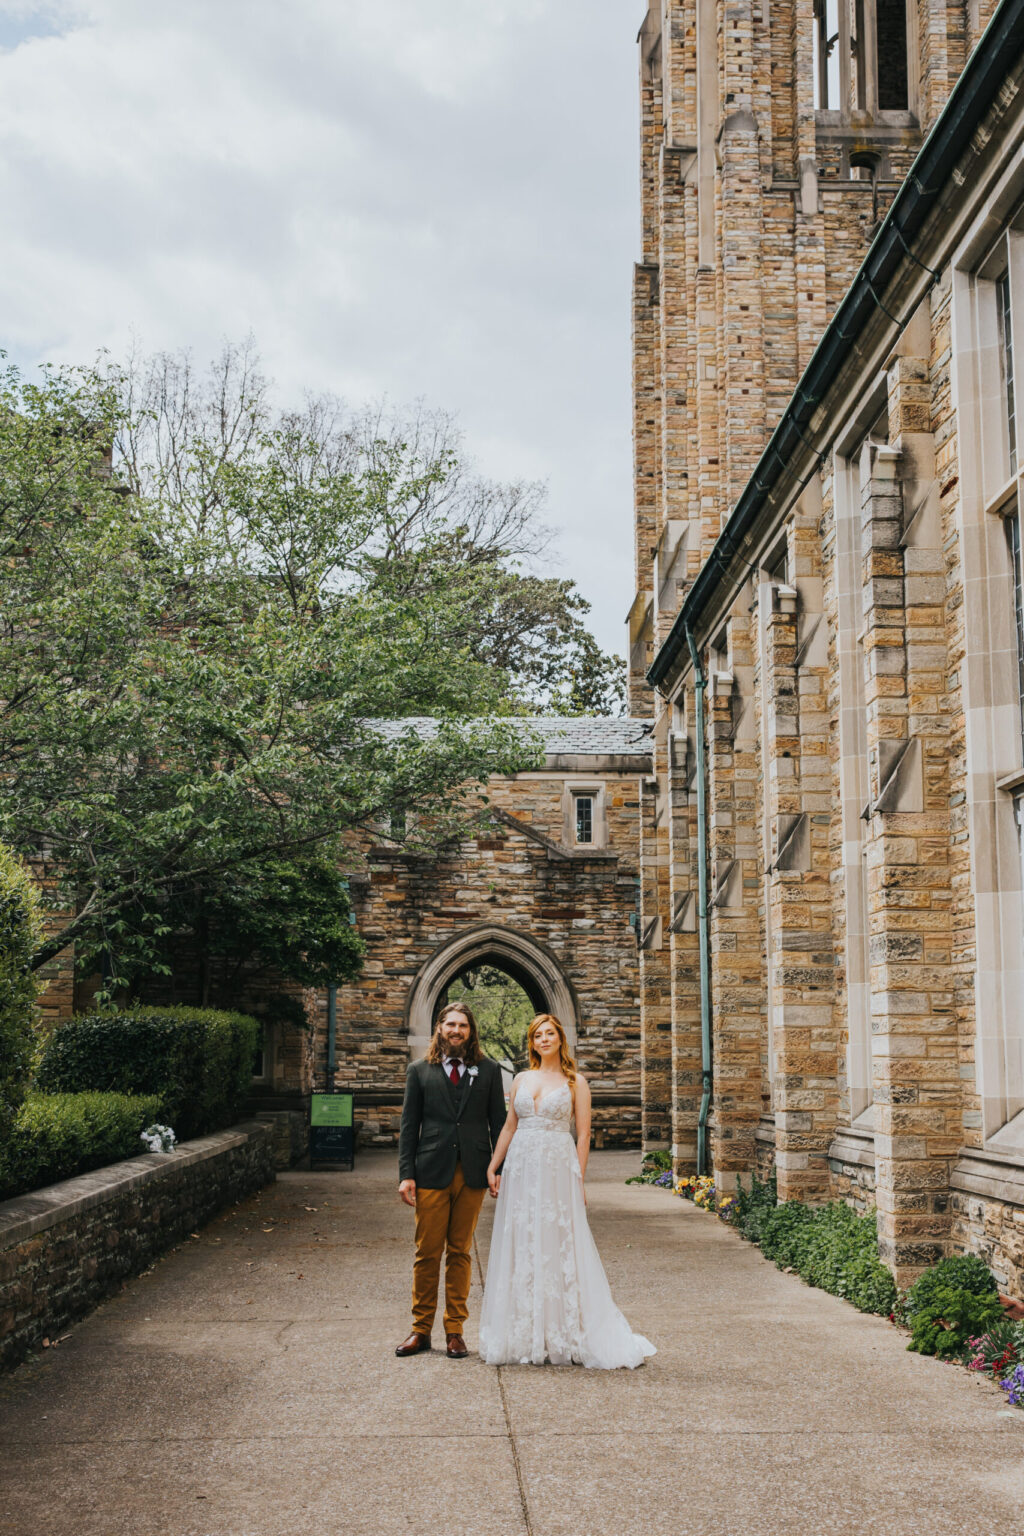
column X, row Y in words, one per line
column 452, row 1116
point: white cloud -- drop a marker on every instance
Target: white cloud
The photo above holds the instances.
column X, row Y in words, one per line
column 418, row 199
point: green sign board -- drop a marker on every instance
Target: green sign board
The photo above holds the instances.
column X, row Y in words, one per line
column 332, row 1137
column 331, row 1109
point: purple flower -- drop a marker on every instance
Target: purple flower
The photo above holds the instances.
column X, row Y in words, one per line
column 1013, row 1386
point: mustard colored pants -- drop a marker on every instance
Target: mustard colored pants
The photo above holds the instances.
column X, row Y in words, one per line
column 445, row 1219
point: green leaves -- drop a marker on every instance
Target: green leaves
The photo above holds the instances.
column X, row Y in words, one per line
column 20, row 933
column 204, row 607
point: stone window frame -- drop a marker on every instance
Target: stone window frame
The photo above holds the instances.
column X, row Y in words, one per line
column 841, row 115
column 772, row 577
column 989, row 670
column 852, row 459
column 572, row 789
column 265, row 1078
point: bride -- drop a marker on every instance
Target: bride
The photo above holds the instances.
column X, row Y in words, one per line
column 547, row 1295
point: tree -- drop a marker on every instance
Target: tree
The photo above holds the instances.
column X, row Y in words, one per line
column 19, row 936
column 205, row 606
column 291, row 915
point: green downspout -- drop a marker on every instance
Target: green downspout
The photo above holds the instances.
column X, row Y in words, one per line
column 332, row 1035
column 702, row 918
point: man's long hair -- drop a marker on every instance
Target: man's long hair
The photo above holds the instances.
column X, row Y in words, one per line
column 472, row 1055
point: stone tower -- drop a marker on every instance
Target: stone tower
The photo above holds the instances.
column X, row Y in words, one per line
column 774, row 139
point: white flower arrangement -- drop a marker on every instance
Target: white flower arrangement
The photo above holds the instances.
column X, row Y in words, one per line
column 472, row 1071
column 158, row 1138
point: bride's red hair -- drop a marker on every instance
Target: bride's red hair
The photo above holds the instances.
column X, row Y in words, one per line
column 565, row 1061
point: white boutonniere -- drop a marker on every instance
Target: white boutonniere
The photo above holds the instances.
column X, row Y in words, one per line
column 472, row 1071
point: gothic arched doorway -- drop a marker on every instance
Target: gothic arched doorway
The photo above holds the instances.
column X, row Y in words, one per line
column 532, row 966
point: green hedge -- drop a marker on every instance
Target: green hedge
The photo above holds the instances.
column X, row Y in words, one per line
column 20, row 932
column 56, row 1136
column 197, row 1061
column 829, row 1246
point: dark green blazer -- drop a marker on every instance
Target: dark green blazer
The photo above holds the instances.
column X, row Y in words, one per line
column 442, row 1125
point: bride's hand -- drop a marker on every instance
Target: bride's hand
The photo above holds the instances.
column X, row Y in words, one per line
column 493, row 1183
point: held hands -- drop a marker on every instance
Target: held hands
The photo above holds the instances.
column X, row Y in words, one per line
column 407, row 1190
column 493, row 1182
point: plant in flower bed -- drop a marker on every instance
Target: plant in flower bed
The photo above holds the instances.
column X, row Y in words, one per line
column 656, row 1168
column 829, row 1246
column 697, row 1187
column 755, row 1205
column 951, row 1303
column 998, row 1349
column 1013, row 1385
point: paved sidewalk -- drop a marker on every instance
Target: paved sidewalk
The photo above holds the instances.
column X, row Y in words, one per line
column 246, row 1386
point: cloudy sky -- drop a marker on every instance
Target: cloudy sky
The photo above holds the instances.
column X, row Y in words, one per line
column 428, row 199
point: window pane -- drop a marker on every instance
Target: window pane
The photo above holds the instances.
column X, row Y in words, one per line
column 1012, row 524
column 891, row 24
column 584, row 819
column 826, row 49
column 1006, row 364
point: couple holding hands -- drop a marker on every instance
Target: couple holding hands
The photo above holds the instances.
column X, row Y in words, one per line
column 546, row 1296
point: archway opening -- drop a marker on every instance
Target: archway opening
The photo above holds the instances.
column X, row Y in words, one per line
column 502, row 1006
column 519, row 960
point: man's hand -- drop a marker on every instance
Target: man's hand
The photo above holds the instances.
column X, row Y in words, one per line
column 493, row 1183
column 407, row 1190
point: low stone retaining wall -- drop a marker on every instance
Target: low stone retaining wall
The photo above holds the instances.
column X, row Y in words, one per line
column 62, row 1249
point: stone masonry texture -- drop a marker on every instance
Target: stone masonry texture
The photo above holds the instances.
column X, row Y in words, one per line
column 65, row 1248
column 858, row 846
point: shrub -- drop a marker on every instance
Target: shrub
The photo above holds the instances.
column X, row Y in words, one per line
column 20, row 931
column 950, row 1317
column 954, row 1301
column 962, row 1272
column 197, row 1061
column 56, row 1136
column 833, row 1248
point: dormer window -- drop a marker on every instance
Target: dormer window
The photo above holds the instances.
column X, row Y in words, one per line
column 584, row 807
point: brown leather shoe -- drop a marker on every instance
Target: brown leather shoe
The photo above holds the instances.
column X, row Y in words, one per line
column 415, row 1344
column 456, row 1349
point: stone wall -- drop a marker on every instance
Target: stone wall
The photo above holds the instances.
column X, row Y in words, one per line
column 62, row 1249
column 864, row 760
column 987, row 1202
column 519, row 893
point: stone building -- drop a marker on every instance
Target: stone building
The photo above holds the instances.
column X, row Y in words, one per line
column 828, row 631
column 547, row 893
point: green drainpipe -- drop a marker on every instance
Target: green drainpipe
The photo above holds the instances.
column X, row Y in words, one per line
column 332, row 1035
column 702, row 919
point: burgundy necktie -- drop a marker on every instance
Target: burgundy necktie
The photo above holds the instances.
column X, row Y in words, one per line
column 454, row 1073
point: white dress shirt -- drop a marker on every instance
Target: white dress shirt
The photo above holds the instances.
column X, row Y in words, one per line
column 449, row 1062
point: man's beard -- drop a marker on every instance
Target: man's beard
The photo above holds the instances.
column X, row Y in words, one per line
column 455, row 1049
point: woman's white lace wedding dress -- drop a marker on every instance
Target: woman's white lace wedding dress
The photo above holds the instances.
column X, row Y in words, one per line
column 547, row 1295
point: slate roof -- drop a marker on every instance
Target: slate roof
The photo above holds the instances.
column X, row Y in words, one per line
column 583, row 735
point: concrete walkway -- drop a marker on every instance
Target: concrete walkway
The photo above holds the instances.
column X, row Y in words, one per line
column 246, row 1386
